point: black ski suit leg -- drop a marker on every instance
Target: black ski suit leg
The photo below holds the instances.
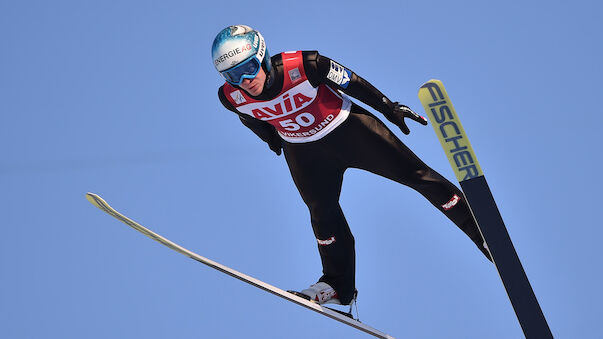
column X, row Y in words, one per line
column 378, row 150
column 318, row 177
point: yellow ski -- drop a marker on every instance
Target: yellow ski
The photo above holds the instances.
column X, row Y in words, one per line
column 477, row 193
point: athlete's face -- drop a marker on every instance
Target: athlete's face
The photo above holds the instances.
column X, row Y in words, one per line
column 256, row 85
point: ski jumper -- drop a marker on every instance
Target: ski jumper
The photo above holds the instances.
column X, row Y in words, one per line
column 322, row 133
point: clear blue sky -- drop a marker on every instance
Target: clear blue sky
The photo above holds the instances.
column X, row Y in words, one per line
column 119, row 98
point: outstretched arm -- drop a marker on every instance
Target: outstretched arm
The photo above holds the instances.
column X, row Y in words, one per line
column 321, row 69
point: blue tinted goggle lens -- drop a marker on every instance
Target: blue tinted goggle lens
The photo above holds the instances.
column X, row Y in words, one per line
column 247, row 70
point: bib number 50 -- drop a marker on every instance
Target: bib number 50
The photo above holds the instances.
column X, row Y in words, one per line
column 301, row 120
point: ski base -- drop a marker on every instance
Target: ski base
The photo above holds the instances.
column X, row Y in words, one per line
column 470, row 176
column 340, row 316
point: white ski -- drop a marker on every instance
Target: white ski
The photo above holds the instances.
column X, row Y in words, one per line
column 102, row 204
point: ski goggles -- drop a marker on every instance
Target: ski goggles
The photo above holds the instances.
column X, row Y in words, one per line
column 245, row 70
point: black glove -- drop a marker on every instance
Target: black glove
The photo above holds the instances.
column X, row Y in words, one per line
column 275, row 144
column 399, row 112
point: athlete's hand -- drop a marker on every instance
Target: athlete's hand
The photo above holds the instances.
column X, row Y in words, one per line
column 275, row 144
column 399, row 112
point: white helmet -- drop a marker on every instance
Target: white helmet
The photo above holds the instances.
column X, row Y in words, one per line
column 238, row 53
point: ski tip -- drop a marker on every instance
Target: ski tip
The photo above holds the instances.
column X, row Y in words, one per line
column 94, row 199
column 90, row 196
column 432, row 81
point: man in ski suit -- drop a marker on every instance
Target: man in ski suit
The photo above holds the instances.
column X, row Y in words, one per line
column 296, row 102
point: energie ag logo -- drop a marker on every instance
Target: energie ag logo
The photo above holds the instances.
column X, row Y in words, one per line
column 449, row 130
